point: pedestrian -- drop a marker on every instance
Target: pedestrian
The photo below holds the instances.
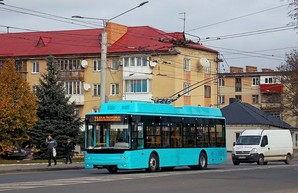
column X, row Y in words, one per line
column 51, row 149
column 68, row 151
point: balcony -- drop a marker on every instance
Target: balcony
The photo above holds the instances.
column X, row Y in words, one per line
column 271, row 88
column 72, row 75
column 270, row 106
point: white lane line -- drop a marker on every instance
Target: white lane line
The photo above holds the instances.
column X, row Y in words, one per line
column 100, row 179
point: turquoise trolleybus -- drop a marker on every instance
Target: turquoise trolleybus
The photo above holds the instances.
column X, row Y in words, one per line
column 141, row 135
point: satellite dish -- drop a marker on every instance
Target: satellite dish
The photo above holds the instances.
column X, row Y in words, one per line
column 152, row 64
column 204, row 62
column 86, row 86
column 84, row 63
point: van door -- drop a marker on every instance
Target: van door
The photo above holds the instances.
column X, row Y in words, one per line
column 265, row 148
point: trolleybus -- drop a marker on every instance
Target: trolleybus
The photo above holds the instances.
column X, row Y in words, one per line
column 142, row 135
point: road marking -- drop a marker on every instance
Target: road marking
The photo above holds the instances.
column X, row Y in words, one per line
column 128, row 176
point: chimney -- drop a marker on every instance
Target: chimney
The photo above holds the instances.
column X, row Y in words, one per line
column 115, row 32
column 234, row 69
column 251, row 69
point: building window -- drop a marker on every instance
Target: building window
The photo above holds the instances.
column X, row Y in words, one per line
column 186, row 89
column 96, row 65
column 138, row 86
column 73, row 87
column 114, row 89
column 186, row 64
column 34, row 89
column 255, row 99
column 221, row 82
column 96, row 89
column 238, row 86
column 221, row 99
column 68, row 64
column 207, row 67
column 77, row 113
column 238, row 97
column 135, row 61
column 115, row 64
column 20, row 66
column 255, row 81
column 35, row 67
column 268, row 80
column 207, row 91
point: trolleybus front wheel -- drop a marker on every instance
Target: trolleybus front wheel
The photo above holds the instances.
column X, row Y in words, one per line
column 112, row 169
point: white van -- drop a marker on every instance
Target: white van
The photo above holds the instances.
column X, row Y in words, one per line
column 262, row 146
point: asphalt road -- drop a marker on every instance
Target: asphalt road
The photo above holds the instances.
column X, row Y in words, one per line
column 226, row 178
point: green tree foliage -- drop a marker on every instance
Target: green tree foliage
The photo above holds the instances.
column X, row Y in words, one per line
column 17, row 108
column 290, row 81
column 55, row 112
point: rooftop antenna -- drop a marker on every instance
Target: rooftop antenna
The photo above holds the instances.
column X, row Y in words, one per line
column 184, row 20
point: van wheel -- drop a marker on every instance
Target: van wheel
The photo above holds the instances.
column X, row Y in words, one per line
column 288, row 159
column 236, row 163
column 202, row 161
column 261, row 160
column 153, row 163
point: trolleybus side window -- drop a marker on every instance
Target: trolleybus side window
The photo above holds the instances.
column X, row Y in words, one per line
column 220, row 135
column 137, row 136
column 189, row 136
column 176, row 140
column 165, row 136
column 153, row 138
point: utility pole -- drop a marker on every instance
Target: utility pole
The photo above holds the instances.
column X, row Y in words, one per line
column 184, row 20
column 103, row 63
column 103, row 60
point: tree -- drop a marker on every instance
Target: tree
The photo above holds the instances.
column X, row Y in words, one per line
column 290, row 81
column 294, row 11
column 17, row 108
column 55, row 112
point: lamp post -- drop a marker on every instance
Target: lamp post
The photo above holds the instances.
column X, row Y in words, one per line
column 104, row 49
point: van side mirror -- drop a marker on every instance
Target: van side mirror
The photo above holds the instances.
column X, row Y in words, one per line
column 234, row 143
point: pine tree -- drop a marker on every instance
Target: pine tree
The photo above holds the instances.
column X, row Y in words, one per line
column 55, row 112
column 17, row 108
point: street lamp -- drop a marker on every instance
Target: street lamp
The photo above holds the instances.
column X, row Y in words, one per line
column 104, row 49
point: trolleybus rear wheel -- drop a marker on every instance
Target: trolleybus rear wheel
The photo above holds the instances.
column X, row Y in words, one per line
column 202, row 161
column 153, row 163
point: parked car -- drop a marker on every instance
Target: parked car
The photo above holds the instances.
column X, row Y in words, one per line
column 18, row 154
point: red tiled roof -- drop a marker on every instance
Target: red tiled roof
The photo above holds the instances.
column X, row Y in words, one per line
column 87, row 41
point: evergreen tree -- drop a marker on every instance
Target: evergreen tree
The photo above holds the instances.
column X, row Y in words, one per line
column 55, row 112
column 17, row 108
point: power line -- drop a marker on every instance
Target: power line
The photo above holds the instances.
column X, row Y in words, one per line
column 235, row 18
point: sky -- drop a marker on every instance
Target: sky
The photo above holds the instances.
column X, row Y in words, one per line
column 255, row 32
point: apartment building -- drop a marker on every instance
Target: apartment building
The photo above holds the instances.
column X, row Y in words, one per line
column 262, row 89
column 143, row 63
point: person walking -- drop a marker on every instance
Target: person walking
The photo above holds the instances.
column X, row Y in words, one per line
column 51, row 149
column 68, row 151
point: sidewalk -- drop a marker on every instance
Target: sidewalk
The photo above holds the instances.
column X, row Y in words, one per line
column 9, row 168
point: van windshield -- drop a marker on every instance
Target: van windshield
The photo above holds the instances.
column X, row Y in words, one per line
column 248, row 140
